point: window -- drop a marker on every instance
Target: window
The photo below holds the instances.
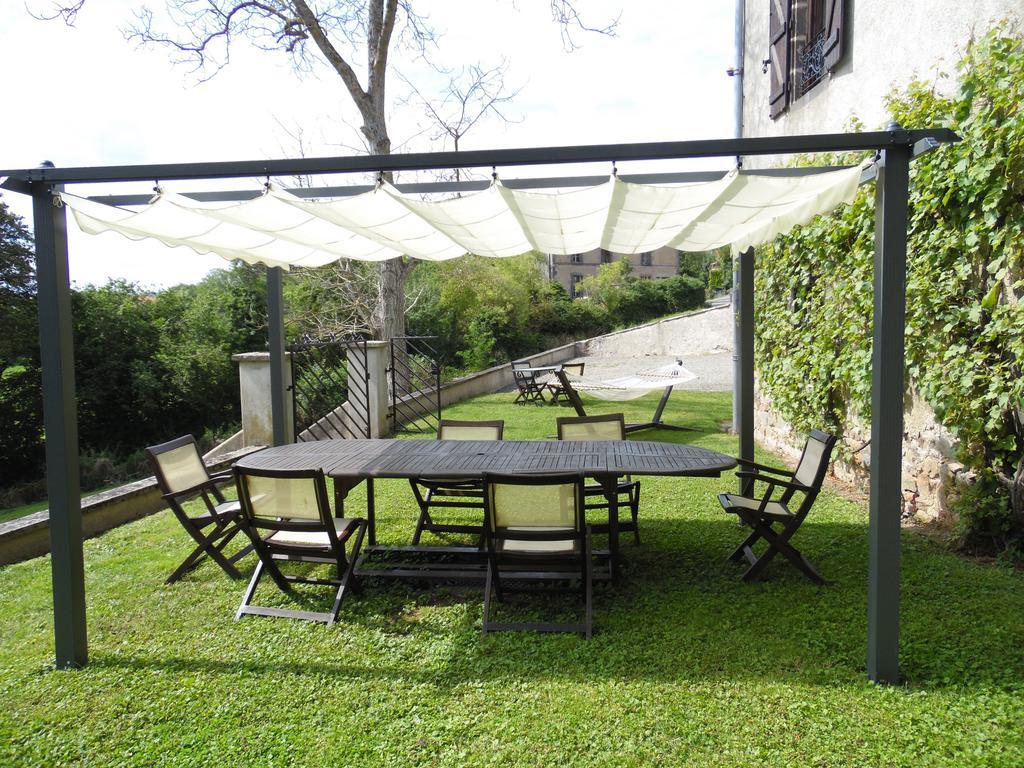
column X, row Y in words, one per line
column 573, row 283
column 805, row 42
column 606, row 256
column 576, row 258
column 645, row 259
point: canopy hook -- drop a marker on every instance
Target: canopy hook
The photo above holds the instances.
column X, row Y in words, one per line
column 494, row 173
column 380, row 178
column 156, row 187
column 615, row 169
column 266, row 184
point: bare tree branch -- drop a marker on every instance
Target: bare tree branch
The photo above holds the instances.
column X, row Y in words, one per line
column 471, row 95
column 564, row 13
column 67, row 12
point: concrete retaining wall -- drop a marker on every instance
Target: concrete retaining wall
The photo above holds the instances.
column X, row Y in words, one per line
column 29, row 536
column 696, row 333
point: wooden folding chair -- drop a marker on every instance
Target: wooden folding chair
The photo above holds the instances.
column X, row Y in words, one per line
column 607, row 427
column 182, row 475
column 530, row 389
column 772, row 519
column 535, row 532
column 287, row 516
column 453, row 493
column 557, row 387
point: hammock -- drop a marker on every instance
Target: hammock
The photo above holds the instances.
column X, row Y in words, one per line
column 635, row 386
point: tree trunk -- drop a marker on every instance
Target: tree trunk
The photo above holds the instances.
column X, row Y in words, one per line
column 389, row 317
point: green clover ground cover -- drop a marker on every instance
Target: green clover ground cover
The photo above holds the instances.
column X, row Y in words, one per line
column 689, row 666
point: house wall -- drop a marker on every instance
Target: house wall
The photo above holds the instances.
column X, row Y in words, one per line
column 664, row 263
column 887, row 44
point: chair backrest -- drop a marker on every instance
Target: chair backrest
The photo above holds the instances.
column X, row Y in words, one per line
column 813, row 464
column 543, row 503
column 576, row 369
column 606, row 427
column 520, row 364
column 450, row 429
column 270, row 497
column 177, row 464
column 811, row 469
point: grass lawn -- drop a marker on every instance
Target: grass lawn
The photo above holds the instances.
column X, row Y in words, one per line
column 688, row 666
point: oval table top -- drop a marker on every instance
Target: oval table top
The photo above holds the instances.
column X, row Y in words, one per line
column 472, row 458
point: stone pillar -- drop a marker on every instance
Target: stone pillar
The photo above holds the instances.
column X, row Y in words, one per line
column 254, row 387
column 378, row 355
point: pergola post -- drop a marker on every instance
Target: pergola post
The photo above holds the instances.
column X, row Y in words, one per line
column 887, row 365
column 275, row 340
column 60, row 421
column 743, row 356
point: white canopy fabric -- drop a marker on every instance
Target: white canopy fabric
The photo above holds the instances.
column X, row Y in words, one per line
column 632, row 387
column 281, row 230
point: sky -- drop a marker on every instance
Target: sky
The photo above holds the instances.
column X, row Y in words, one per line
column 89, row 97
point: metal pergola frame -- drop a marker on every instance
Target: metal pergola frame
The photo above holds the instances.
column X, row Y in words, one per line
column 895, row 148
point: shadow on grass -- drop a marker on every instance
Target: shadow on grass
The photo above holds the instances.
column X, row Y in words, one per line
column 681, row 613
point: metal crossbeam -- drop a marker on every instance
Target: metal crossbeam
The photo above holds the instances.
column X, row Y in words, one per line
column 419, row 161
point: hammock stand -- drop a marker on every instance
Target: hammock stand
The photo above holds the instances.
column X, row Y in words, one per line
column 623, row 390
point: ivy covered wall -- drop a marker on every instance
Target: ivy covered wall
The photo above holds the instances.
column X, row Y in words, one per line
column 965, row 321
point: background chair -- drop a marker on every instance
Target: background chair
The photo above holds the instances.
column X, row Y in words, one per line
column 609, row 427
column 535, row 531
column 763, row 513
column 557, row 387
column 530, row 389
column 453, row 493
column 287, row 515
column 182, row 475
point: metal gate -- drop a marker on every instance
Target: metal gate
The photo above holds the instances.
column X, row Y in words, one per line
column 330, row 389
column 415, row 382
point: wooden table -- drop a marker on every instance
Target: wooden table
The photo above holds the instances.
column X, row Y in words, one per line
column 350, row 462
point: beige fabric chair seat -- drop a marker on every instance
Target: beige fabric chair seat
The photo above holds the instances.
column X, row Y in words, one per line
column 212, row 522
column 519, row 546
column 773, row 508
column 312, row 539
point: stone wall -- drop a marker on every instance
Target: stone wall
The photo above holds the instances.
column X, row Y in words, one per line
column 930, row 469
column 704, row 332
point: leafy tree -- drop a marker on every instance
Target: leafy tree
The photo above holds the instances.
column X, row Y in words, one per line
column 607, row 286
column 21, row 407
column 118, row 378
column 18, row 336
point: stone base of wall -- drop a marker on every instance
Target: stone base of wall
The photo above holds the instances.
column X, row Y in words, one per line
column 930, row 470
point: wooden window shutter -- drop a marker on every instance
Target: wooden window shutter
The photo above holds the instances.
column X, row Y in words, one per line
column 778, row 55
column 834, row 16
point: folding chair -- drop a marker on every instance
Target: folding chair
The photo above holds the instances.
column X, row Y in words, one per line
column 557, row 387
column 535, row 531
column 531, row 390
column 287, row 516
column 453, row 493
column 763, row 513
column 182, row 475
column 608, row 427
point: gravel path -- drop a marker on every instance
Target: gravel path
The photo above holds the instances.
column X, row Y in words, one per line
column 714, row 372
